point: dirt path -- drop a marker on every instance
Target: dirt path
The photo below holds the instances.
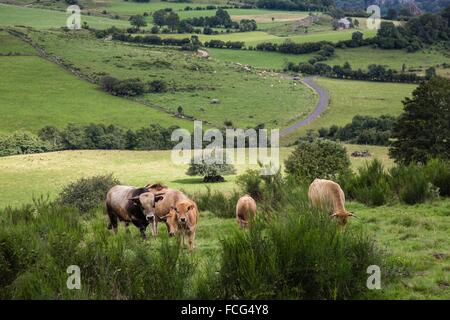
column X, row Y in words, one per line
column 320, row 107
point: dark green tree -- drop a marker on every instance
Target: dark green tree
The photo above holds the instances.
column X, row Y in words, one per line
column 423, row 130
column 138, row 21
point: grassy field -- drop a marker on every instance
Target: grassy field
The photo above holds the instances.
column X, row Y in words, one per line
column 360, row 98
column 38, row 93
column 246, row 97
column 45, row 19
column 47, row 173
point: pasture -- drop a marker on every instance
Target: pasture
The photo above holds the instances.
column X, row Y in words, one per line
column 193, row 82
column 39, row 93
column 360, row 98
column 46, row 19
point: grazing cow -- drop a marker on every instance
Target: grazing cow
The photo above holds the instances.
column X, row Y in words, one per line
column 327, row 194
column 245, row 210
column 183, row 219
column 130, row 204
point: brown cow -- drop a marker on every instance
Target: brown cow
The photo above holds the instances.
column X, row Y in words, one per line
column 327, row 194
column 245, row 210
column 130, row 204
column 162, row 209
column 183, row 219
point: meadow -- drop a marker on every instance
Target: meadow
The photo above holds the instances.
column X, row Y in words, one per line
column 192, row 81
column 39, row 93
column 360, row 98
column 45, row 19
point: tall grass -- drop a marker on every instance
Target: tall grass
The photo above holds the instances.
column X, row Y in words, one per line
column 38, row 243
column 223, row 206
column 300, row 254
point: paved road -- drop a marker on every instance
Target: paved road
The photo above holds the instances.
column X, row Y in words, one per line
column 320, row 107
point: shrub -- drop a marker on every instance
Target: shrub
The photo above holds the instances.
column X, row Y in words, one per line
column 251, row 183
column 22, row 142
column 128, row 87
column 218, row 203
column 209, row 169
column 301, row 255
column 86, row 193
column 438, row 173
column 412, row 184
column 317, row 159
column 370, row 185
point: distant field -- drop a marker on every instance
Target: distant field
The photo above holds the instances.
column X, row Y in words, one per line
column 14, row 46
column 364, row 56
column 349, row 98
column 254, row 37
column 258, row 59
column 47, row 173
column 245, row 98
column 45, row 19
column 38, row 93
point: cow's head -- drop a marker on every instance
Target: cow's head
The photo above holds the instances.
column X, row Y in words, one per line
column 146, row 201
column 171, row 221
column 343, row 216
column 178, row 216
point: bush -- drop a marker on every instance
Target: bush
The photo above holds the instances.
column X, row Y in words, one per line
column 317, row 159
column 128, row 87
column 412, row 184
column 86, row 194
column 50, row 238
column 438, row 173
column 301, row 255
column 211, row 172
column 22, row 142
column 251, row 183
column 219, row 204
column 370, row 185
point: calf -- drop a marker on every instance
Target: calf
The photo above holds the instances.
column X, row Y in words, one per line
column 130, row 204
column 183, row 219
column 327, row 194
column 245, row 210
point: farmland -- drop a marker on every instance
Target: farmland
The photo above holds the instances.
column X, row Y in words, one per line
column 52, row 76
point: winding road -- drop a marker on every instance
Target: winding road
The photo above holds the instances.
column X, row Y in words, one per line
column 320, row 107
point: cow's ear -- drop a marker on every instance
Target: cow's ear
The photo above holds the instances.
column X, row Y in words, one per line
column 135, row 200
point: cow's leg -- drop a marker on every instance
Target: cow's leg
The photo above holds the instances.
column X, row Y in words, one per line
column 142, row 231
column 191, row 235
column 154, row 226
column 112, row 219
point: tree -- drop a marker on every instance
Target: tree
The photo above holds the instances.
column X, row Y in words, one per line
column 223, row 18
column 317, row 159
column 172, row 20
column 138, row 21
column 159, row 17
column 430, row 73
column 423, row 130
column 211, row 172
column 356, row 23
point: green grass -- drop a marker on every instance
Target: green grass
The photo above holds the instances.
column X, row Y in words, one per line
column 349, row 98
column 258, row 59
column 364, row 56
column 246, row 98
column 37, row 93
column 46, row 19
column 14, row 46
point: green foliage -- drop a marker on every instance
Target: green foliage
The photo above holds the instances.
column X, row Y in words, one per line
column 221, row 205
column 86, row 194
column 22, row 142
column 251, row 183
column 438, row 173
column 297, row 255
column 317, row 159
column 423, row 130
column 128, row 87
column 370, row 185
column 138, row 21
column 51, row 238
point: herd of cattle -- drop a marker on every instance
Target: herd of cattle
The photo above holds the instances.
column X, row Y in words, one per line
column 156, row 203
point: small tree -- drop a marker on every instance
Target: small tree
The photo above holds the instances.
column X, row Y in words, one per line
column 317, row 159
column 172, row 20
column 138, row 21
column 211, row 172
